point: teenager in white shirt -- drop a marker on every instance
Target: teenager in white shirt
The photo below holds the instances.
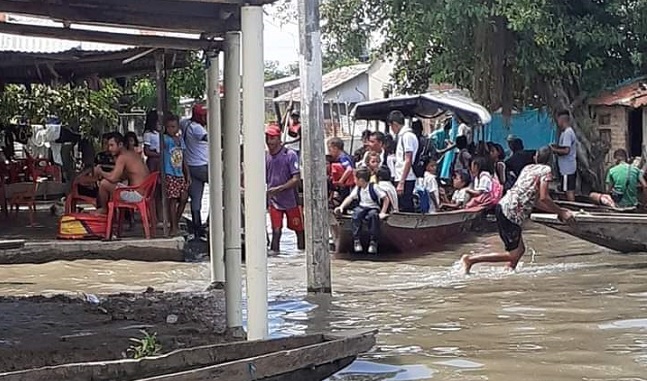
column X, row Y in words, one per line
column 405, row 152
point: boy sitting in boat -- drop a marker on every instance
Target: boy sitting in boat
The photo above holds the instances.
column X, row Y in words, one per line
column 460, row 197
column 373, row 206
column 385, row 183
column 427, row 188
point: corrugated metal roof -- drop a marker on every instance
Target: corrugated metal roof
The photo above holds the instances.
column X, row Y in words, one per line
column 27, row 44
column 329, row 81
column 632, row 94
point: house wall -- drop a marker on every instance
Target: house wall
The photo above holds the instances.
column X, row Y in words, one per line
column 611, row 125
column 353, row 91
column 269, row 95
column 379, row 75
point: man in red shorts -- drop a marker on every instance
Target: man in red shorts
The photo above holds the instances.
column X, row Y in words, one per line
column 282, row 178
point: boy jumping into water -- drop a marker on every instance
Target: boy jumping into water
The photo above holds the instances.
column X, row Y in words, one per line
column 530, row 190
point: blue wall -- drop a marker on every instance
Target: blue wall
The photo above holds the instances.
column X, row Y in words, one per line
column 534, row 127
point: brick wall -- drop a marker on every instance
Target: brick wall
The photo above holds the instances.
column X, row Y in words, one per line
column 611, row 124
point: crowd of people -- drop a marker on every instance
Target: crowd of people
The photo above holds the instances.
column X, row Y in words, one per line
column 123, row 162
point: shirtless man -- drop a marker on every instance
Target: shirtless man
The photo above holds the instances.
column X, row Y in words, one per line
column 129, row 166
column 530, row 190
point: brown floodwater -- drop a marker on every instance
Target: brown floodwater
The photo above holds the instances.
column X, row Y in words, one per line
column 572, row 311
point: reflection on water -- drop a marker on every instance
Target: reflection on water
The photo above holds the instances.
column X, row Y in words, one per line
column 572, row 311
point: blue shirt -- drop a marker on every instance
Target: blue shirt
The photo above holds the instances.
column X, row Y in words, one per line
column 346, row 161
column 173, row 156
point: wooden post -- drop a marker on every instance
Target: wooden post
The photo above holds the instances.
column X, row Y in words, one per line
column 317, row 228
column 162, row 107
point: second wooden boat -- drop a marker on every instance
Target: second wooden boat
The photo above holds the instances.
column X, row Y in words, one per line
column 311, row 357
column 409, row 232
column 617, row 231
column 589, row 207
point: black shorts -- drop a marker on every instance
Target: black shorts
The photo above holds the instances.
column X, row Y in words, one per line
column 509, row 232
column 568, row 182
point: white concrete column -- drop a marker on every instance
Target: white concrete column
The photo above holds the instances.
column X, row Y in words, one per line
column 231, row 152
column 216, row 230
column 254, row 171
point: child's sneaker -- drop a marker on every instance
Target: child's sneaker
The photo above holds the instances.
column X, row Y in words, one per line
column 358, row 246
column 372, row 247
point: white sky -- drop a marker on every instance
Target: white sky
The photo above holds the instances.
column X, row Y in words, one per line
column 281, row 41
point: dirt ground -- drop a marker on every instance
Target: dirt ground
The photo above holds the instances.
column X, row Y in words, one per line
column 40, row 331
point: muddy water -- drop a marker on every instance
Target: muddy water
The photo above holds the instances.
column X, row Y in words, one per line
column 572, row 311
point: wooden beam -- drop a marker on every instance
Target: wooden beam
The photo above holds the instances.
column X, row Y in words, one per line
column 146, row 41
column 167, row 15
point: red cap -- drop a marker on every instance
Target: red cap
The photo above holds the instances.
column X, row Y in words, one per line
column 273, row 130
column 199, row 110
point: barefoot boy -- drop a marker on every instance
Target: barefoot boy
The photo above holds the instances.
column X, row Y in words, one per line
column 178, row 179
column 530, row 190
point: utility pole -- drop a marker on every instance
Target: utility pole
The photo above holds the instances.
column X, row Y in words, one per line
column 317, row 226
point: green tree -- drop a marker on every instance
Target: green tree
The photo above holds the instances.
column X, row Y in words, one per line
column 508, row 53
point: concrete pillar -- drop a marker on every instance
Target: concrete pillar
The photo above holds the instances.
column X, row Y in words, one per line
column 312, row 147
column 231, row 152
column 254, row 171
column 214, row 124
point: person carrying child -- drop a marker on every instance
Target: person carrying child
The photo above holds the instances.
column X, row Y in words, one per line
column 486, row 191
column 176, row 169
column 427, row 188
column 373, row 206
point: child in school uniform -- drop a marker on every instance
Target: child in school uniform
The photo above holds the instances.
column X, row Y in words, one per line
column 427, row 188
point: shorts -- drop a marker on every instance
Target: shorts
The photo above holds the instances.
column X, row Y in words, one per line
column 175, row 187
column 509, row 232
column 568, row 182
column 295, row 218
column 129, row 196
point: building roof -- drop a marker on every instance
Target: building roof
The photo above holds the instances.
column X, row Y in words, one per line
column 281, row 81
column 631, row 94
column 329, row 81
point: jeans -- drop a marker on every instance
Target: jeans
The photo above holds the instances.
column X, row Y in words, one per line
column 199, row 176
column 372, row 217
column 405, row 201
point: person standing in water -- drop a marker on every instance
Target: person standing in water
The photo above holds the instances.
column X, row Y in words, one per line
column 530, row 190
column 283, row 174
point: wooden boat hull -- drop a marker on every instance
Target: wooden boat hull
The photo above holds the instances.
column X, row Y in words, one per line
column 311, row 357
column 621, row 232
column 409, row 232
column 588, row 207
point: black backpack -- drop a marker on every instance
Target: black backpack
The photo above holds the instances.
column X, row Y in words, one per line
column 426, row 149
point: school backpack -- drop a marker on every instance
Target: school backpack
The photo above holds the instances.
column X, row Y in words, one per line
column 371, row 192
column 425, row 150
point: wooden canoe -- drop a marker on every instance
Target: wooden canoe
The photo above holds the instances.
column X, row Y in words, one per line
column 311, row 357
column 617, row 231
column 589, row 207
column 409, row 232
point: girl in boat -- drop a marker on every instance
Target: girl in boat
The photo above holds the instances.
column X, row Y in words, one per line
column 461, row 184
column 372, row 163
column 486, row 190
column 427, row 188
column 497, row 156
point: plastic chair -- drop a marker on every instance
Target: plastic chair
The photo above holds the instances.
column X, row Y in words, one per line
column 74, row 198
column 146, row 206
column 25, row 197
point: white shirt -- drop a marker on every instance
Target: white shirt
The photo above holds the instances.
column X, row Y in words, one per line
column 460, row 197
column 391, row 193
column 365, row 197
column 429, row 184
column 390, row 163
column 197, row 150
column 483, row 182
column 152, row 140
column 407, row 142
column 465, row 130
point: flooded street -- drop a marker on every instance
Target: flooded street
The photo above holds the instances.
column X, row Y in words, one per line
column 572, row 311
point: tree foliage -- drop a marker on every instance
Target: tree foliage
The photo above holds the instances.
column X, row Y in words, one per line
column 78, row 107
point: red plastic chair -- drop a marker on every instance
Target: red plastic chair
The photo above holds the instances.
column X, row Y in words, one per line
column 145, row 207
column 74, row 198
